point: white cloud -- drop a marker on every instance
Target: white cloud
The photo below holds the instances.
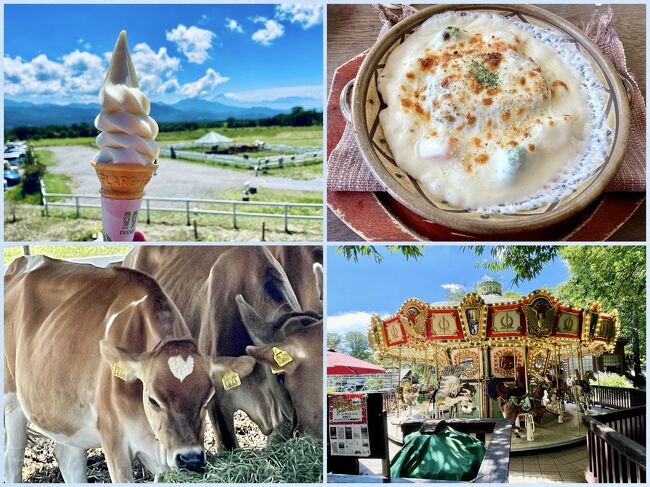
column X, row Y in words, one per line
column 453, row 288
column 170, row 86
column 154, row 69
column 40, row 76
column 272, row 30
column 192, row 41
column 351, row 321
column 232, row 24
column 79, row 75
column 86, row 45
column 203, row 86
column 270, row 94
column 305, row 15
column 84, row 72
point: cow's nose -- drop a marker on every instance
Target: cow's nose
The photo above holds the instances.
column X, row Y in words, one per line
column 194, row 460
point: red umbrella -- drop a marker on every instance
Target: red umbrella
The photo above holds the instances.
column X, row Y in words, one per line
column 341, row 364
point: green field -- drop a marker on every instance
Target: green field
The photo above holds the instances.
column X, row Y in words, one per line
column 297, row 136
column 25, row 222
column 65, row 251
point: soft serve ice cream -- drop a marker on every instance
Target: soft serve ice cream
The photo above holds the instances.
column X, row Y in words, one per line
column 128, row 152
column 127, row 131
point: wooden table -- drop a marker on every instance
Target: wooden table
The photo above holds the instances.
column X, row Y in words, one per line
column 352, row 29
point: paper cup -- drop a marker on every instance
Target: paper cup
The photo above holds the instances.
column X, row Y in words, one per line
column 120, row 219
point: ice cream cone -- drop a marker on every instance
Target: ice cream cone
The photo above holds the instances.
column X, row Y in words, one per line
column 122, row 190
column 123, row 181
column 127, row 147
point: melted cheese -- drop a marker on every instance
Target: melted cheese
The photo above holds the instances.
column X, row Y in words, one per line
column 483, row 112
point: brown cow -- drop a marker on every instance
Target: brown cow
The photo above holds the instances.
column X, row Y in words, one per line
column 299, row 336
column 301, row 262
column 101, row 357
column 203, row 282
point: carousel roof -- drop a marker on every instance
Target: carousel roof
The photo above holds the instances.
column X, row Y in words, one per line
column 540, row 320
column 488, row 298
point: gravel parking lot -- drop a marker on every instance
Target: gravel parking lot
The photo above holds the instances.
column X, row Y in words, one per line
column 174, row 178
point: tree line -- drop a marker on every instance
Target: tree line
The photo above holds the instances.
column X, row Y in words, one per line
column 298, row 117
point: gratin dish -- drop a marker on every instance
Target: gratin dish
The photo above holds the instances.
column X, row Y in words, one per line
column 367, row 103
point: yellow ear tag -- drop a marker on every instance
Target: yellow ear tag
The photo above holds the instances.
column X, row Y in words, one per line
column 119, row 371
column 281, row 357
column 230, row 380
column 276, row 371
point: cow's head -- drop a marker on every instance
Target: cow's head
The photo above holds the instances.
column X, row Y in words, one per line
column 292, row 346
column 177, row 385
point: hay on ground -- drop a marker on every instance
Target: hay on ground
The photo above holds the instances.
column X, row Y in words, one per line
column 297, row 460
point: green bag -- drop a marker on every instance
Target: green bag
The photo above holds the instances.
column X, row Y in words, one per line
column 445, row 455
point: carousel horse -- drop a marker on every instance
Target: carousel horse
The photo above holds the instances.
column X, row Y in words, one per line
column 554, row 401
column 514, row 401
column 449, row 388
column 541, row 390
column 464, row 401
column 582, row 391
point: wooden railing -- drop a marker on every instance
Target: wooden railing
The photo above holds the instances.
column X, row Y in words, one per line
column 616, row 446
column 233, row 210
column 617, row 397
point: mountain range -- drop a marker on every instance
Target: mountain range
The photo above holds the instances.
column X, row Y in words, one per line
column 18, row 113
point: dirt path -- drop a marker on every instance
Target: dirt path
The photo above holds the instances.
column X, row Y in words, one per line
column 174, row 178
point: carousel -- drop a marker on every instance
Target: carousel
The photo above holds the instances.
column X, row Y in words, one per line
column 489, row 356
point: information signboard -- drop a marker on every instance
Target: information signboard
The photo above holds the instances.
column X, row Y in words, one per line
column 348, row 425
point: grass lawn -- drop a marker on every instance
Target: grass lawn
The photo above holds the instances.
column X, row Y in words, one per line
column 45, row 157
column 313, row 170
column 65, row 251
column 302, row 172
column 25, row 223
column 89, row 141
column 278, row 195
column 297, row 136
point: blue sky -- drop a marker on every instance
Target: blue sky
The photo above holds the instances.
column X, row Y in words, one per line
column 248, row 53
column 357, row 290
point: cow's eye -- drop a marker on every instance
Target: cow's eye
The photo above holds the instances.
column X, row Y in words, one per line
column 154, row 403
column 280, row 377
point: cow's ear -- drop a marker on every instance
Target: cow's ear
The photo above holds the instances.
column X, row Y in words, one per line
column 243, row 365
column 227, row 372
column 124, row 365
column 278, row 357
column 318, row 274
column 254, row 324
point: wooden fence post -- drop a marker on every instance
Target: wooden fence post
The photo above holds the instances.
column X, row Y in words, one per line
column 44, row 197
column 286, row 218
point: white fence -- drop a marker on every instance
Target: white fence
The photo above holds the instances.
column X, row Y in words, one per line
column 307, row 156
column 189, row 206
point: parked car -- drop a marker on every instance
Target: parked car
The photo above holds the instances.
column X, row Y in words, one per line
column 9, row 165
column 12, row 176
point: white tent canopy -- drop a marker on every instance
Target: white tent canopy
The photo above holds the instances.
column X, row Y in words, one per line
column 213, row 138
